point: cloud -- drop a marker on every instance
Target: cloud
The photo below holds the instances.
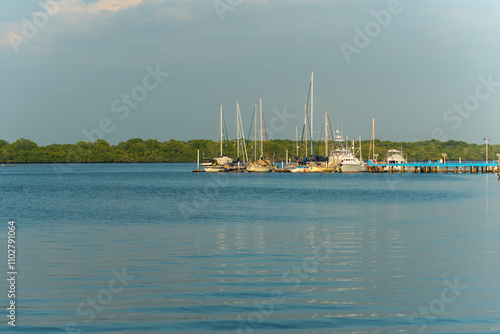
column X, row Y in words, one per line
column 179, row 14
column 78, row 6
column 71, row 12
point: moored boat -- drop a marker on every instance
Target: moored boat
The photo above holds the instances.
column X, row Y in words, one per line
column 262, row 165
column 345, row 157
column 395, row 157
column 218, row 164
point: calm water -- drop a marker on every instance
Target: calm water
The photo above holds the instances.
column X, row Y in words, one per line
column 138, row 248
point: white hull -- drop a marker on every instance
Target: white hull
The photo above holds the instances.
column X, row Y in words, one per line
column 258, row 169
column 395, row 157
column 300, row 169
column 214, row 169
column 353, row 168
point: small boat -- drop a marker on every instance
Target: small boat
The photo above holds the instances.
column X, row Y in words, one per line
column 318, row 167
column 3, row 165
column 300, row 169
column 259, row 166
column 262, row 165
column 217, row 165
column 239, row 166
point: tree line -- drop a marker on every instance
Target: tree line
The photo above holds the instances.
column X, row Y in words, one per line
column 152, row 150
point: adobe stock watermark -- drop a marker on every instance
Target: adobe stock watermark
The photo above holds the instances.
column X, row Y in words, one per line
column 437, row 306
column 126, row 102
column 363, row 37
column 223, row 6
column 295, row 276
column 121, row 106
column 31, row 27
column 278, row 122
column 102, row 299
column 193, row 207
column 460, row 111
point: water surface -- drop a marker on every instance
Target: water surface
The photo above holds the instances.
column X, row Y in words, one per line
column 138, row 248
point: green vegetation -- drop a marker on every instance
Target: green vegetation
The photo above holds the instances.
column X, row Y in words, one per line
column 151, row 150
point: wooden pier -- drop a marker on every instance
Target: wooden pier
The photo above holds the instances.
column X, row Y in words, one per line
column 430, row 167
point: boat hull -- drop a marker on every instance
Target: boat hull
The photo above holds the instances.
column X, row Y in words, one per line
column 300, row 169
column 214, row 169
column 354, row 168
column 258, row 169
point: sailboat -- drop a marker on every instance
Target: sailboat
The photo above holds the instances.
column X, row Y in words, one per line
column 241, row 147
column 218, row 164
column 324, row 166
column 261, row 165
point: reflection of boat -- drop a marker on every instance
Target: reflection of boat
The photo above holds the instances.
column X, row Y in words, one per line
column 262, row 165
column 218, row 164
column 7, row 165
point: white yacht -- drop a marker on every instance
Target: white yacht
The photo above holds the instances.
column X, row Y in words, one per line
column 345, row 157
column 395, row 157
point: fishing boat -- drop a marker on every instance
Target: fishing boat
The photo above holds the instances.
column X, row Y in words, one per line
column 345, row 156
column 218, row 164
column 260, row 165
column 395, row 157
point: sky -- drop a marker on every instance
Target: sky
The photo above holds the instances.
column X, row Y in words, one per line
column 76, row 70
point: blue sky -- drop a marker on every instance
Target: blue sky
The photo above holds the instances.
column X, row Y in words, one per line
column 423, row 69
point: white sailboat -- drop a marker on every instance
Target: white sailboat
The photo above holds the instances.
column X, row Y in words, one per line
column 261, row 165
column 241, row 147
column 218, row 164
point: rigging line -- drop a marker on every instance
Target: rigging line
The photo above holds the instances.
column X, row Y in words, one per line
column 331, row 131
column 251, row 126
column 267, row 142
column 225, row 130
column 313, row 156
column 302, row 139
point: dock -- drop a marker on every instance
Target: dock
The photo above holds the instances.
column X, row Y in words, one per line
column 434, row 167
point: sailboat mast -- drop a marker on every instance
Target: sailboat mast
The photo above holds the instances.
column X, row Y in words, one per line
column 261, row 135
column 255, row 137
column 297, row 141
column 360, row 156
column 371, row 154
column 305, row 125
column 237, row 128
column 242, row 134
column 326, row 132
column 312, row 110
column 221, row 130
